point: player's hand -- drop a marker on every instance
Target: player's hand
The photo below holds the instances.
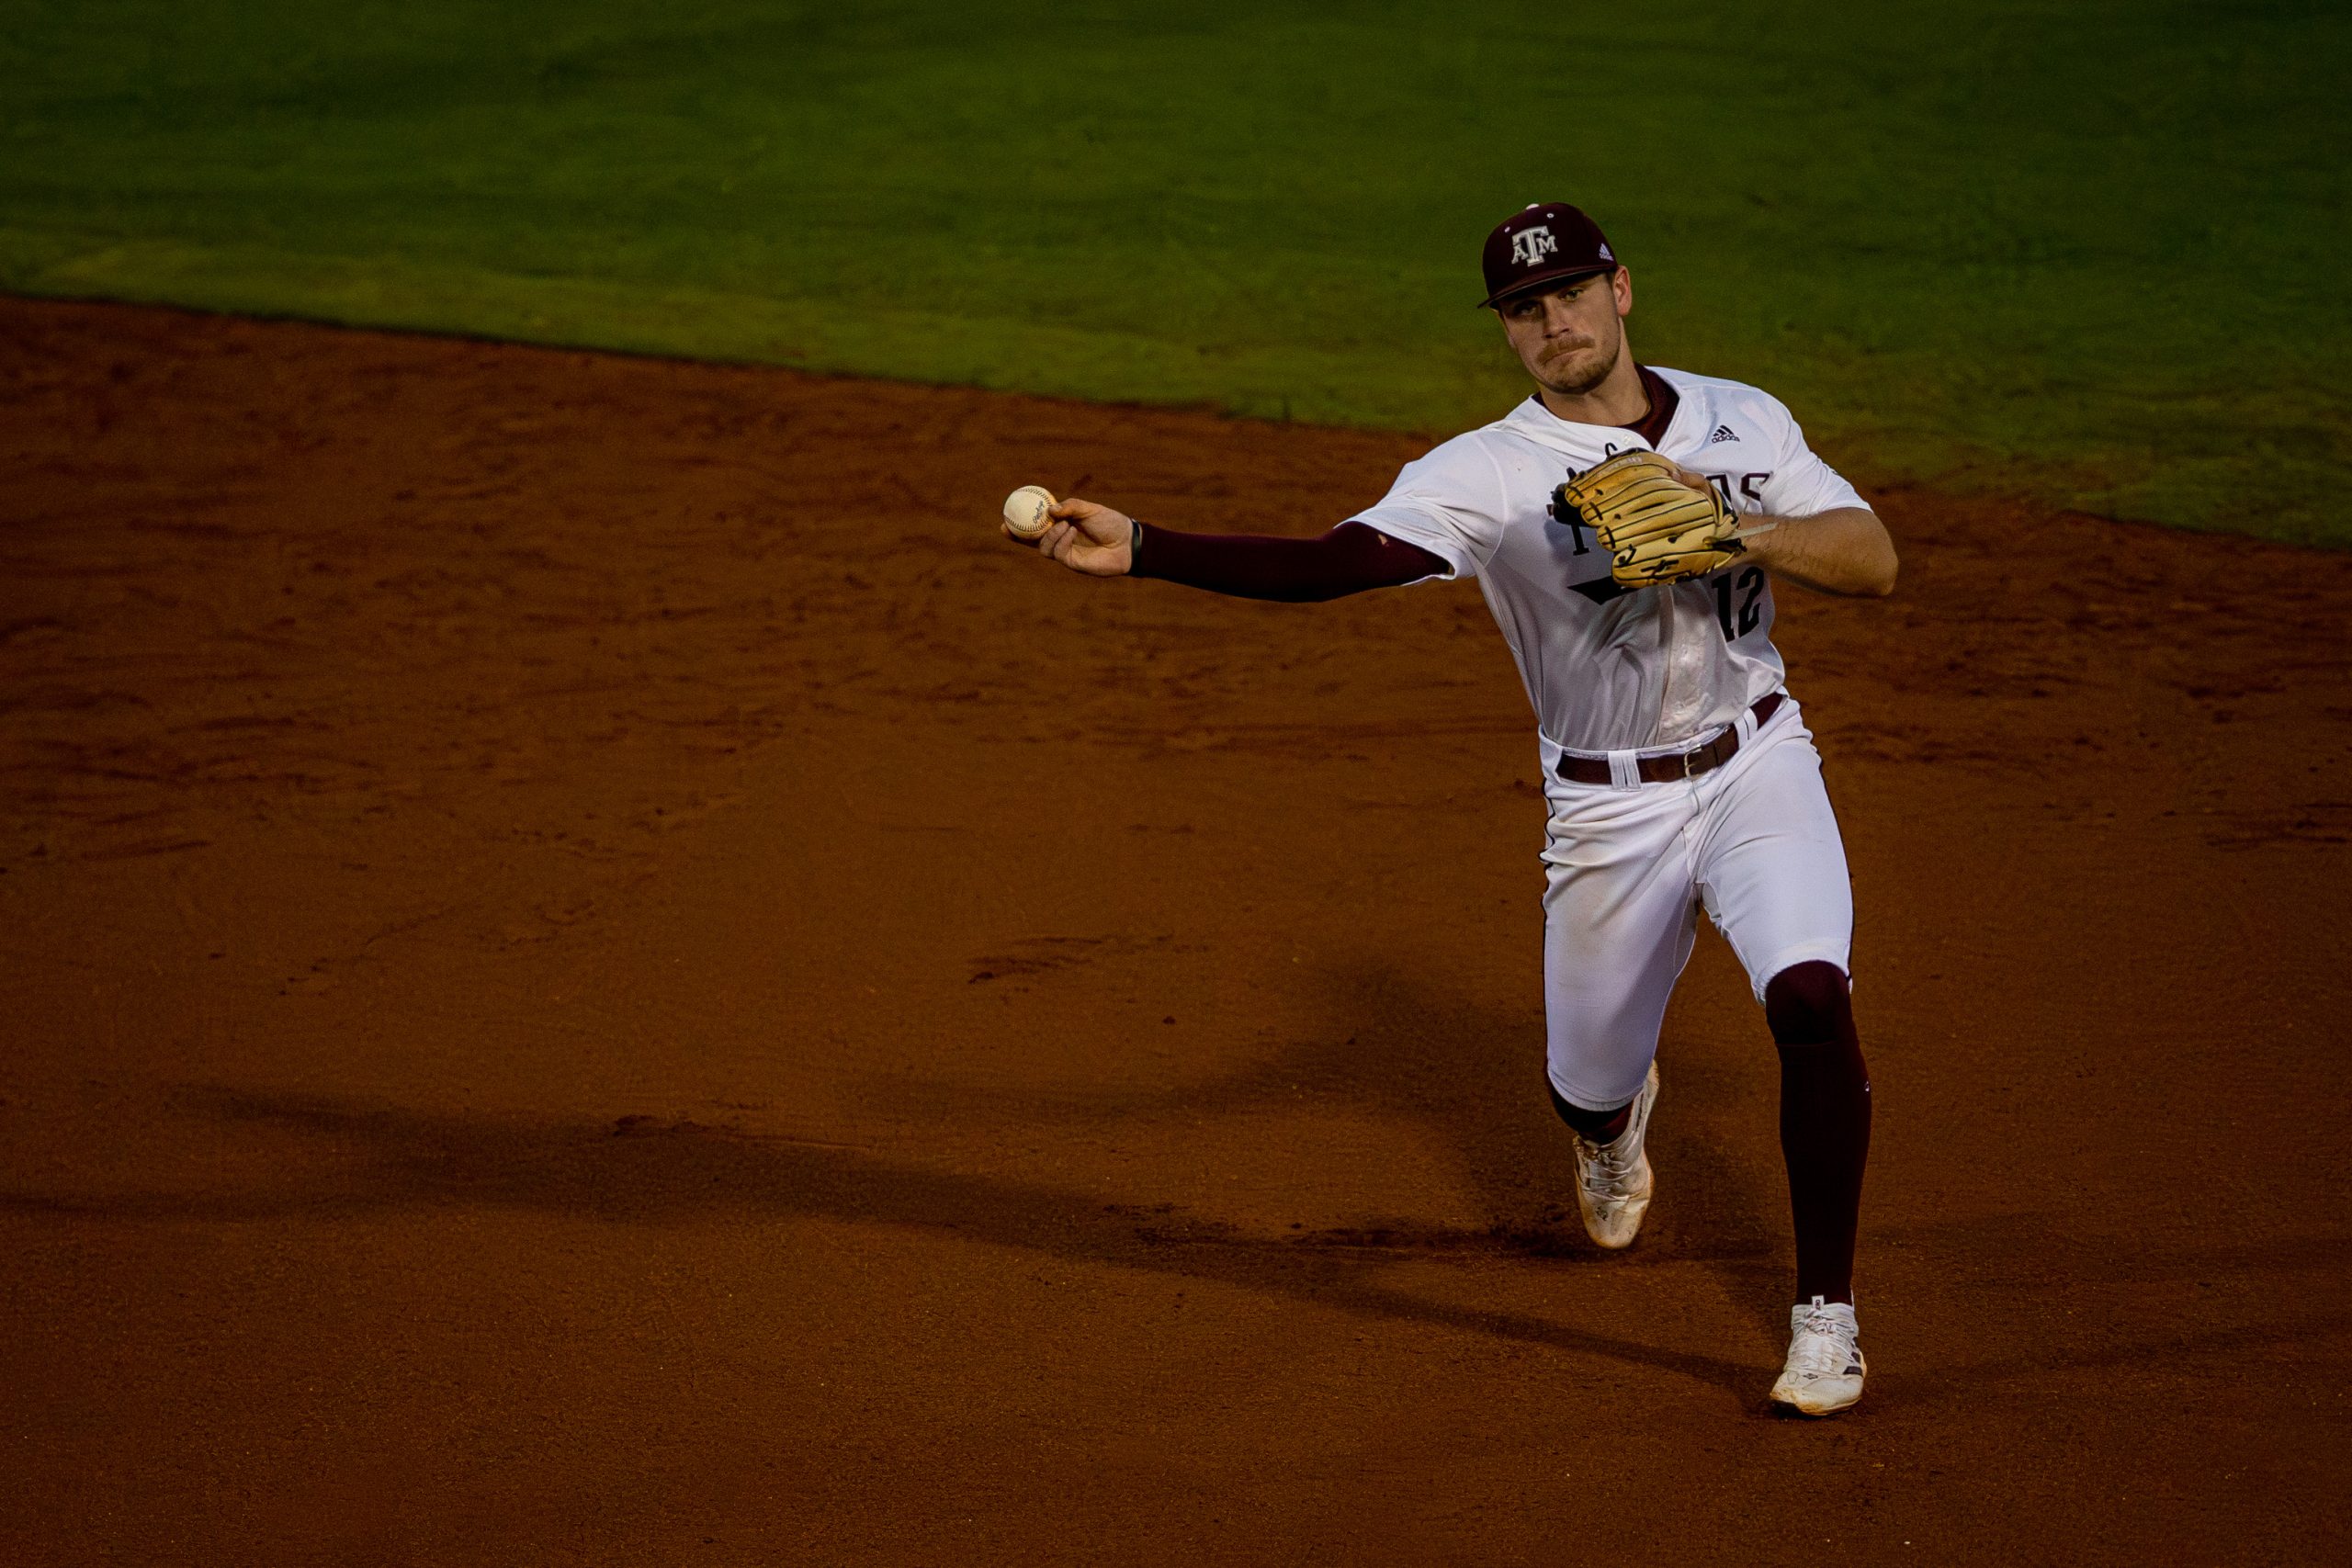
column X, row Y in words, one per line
column 1090, row 538
column 1695, row 480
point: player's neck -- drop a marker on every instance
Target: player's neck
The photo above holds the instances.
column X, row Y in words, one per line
column 1619, row 399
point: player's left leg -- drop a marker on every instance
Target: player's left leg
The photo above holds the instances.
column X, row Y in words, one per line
column 1825, row 1121
column 1771, row 868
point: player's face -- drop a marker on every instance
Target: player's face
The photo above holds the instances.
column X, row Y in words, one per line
column 1569, row 338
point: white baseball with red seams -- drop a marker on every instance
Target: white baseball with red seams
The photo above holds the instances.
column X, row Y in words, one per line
column 1620, row 674
column 1028, row 511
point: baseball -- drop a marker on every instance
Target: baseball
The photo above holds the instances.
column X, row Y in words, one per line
column 1026, row 509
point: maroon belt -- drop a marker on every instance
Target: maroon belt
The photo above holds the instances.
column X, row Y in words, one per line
column 1682, row 765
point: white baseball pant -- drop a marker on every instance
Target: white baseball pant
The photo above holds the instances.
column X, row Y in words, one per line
column 1627, row 867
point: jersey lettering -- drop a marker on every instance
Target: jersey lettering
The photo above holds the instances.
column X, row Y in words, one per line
column 1568, row 517
column 1751, row 488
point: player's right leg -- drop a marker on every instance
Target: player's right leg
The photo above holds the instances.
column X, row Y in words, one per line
column 1618, row 920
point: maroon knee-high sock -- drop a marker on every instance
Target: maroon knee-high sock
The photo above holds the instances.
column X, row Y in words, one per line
column 1825, row 1121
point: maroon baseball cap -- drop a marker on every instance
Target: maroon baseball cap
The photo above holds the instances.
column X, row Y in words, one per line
column 1548, row 243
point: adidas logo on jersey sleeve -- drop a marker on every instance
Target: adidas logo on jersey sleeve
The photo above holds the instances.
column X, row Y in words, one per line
column 1723, row 432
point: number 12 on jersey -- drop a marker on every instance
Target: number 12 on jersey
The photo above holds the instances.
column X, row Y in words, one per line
column 1747, row 587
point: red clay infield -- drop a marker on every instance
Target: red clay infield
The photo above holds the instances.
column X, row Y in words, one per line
column 597, row 971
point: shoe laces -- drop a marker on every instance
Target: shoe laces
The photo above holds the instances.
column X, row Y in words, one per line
column 1608, row 1166
column 1822, row 1345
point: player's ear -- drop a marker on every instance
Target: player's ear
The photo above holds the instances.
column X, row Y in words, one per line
column 1620, row 284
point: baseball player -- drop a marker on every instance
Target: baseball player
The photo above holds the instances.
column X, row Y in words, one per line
column 1627, row 525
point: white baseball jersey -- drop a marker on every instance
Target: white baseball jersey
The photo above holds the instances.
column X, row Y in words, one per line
column 1609, row 670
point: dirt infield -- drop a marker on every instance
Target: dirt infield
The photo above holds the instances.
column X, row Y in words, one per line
column 595, row 971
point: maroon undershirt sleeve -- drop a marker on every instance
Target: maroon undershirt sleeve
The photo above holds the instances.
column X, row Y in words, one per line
column 1349, row 560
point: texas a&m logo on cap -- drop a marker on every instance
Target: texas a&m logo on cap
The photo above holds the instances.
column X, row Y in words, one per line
column 1531, row 245
column 1548, row 243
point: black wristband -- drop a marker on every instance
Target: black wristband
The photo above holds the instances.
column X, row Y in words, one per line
column 1135, row 542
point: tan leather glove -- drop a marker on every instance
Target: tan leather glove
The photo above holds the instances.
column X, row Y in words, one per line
column 1654, row 527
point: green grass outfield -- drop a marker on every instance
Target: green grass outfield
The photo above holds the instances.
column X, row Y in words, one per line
column 2087, row 250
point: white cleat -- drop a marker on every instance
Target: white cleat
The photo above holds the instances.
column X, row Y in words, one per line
column 1825, row 1367
column 1614, row 1178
